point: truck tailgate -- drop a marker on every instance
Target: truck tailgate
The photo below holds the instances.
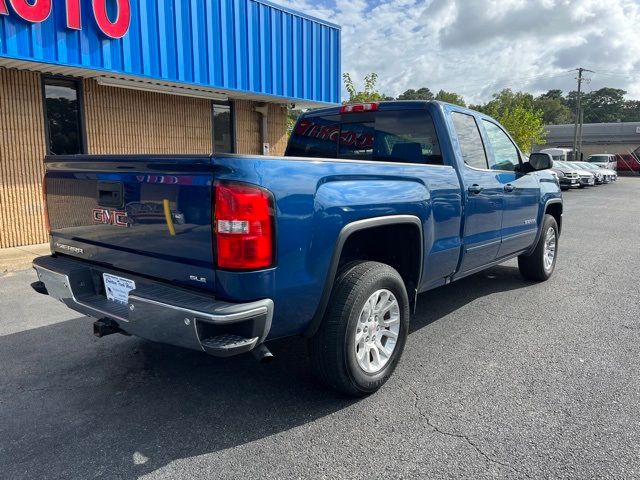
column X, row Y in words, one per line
column 148, row 215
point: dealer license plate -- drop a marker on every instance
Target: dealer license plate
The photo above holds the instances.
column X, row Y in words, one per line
column 118, row 288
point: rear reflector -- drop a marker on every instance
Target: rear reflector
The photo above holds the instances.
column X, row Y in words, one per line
column 243, row 226
column 359, row 107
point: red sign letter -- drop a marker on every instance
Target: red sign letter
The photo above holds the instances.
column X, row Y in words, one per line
column 37, row 12
column 73, row 15
column 3, row 8
column 119, row 27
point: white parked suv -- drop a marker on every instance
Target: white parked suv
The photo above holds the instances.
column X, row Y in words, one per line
column 604, row 160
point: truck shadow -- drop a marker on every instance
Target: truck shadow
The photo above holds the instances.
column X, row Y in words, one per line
column 74, row 406
column 438, row 303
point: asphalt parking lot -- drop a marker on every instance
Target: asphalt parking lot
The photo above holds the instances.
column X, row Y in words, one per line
column 501, row 378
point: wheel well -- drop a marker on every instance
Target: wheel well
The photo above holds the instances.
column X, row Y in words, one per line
column 555, row 210
column 398, row 246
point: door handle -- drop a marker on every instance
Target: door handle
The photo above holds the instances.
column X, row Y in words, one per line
column 509, row 188
column 475, row 189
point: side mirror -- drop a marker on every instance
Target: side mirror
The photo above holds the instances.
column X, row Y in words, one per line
column 540, row 161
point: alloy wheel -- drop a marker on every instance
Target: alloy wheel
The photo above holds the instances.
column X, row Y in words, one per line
column 377, row 331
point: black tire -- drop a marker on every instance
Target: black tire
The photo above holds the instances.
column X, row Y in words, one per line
column 332, row 350
column 532, row 267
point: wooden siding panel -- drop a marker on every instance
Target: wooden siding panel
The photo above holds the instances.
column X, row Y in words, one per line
column 22, row 151
column 247, row 128
column 277, row 129
column 248, row 124
column 122, row 121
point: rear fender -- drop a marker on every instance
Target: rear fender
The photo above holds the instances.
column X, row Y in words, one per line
column 343, row 236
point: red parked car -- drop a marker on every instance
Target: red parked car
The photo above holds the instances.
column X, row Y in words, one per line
column 629, row 162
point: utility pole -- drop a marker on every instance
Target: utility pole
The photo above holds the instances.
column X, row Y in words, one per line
column 579, row 152
column 578, row 113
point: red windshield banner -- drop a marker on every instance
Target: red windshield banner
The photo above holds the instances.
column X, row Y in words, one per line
column 360, row 139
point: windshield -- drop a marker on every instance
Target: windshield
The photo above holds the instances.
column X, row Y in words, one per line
column 576, row 166
column 599, row 158
column 564, row 165
column 587, row 166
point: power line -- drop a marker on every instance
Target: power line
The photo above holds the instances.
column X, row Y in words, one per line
column 605, row 71
column 620, row 75
column 512, row 82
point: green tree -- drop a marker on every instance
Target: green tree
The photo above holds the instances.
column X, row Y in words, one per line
column 506, row 100
column 369, row 94
column 292, row 117
column 631, row 111
column 555, row 94
column 517, row 113
column 450, row 97
column 555, row 110
column 525, row 125
column 421, row 94
column 606, row 105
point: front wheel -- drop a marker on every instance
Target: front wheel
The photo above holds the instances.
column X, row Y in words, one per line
column 362, row 336
column 539, row 266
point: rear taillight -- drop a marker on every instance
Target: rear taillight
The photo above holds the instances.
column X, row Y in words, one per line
column 359, row 107
column 45, row 210
column 243, row 225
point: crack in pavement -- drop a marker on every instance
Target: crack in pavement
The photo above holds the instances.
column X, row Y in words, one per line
column 460, row 436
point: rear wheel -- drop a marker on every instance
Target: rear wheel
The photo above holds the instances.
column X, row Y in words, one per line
column 539, row 266
column 363, row 334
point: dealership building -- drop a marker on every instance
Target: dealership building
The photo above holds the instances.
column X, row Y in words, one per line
column 621, row 139
column 148, row 77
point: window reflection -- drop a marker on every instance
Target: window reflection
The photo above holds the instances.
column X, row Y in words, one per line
column 222, row 129
column 63, row 120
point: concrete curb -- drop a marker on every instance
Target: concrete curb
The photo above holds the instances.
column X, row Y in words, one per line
column 20, row 258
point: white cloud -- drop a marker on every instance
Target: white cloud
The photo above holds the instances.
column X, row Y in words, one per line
column 476, row 47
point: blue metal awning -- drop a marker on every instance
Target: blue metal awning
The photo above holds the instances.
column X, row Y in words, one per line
column 248, row 47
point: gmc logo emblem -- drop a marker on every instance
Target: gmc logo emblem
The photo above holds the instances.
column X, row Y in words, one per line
column 102, row 216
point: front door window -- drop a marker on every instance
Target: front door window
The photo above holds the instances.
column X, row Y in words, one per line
column 505, row 153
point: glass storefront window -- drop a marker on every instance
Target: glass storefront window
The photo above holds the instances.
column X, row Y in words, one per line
column 63, row 116
column 223, row 128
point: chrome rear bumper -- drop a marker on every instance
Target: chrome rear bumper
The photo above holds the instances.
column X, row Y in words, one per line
column 157, row 311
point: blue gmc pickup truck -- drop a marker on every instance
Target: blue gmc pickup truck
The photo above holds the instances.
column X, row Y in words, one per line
column 371, row 205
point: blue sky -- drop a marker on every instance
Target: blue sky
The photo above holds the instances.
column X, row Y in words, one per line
column 477, row 47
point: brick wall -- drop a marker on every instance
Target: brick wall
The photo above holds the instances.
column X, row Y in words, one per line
column 248, row 124
column 122, row 121
column 22, row 151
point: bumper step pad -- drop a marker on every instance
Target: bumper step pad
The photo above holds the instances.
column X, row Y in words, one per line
column 228, row 344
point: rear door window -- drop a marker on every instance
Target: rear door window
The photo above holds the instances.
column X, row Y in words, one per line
column 406, row 136
column 470, row 141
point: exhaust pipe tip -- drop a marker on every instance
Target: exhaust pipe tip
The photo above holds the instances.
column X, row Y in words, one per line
column 262, row 354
